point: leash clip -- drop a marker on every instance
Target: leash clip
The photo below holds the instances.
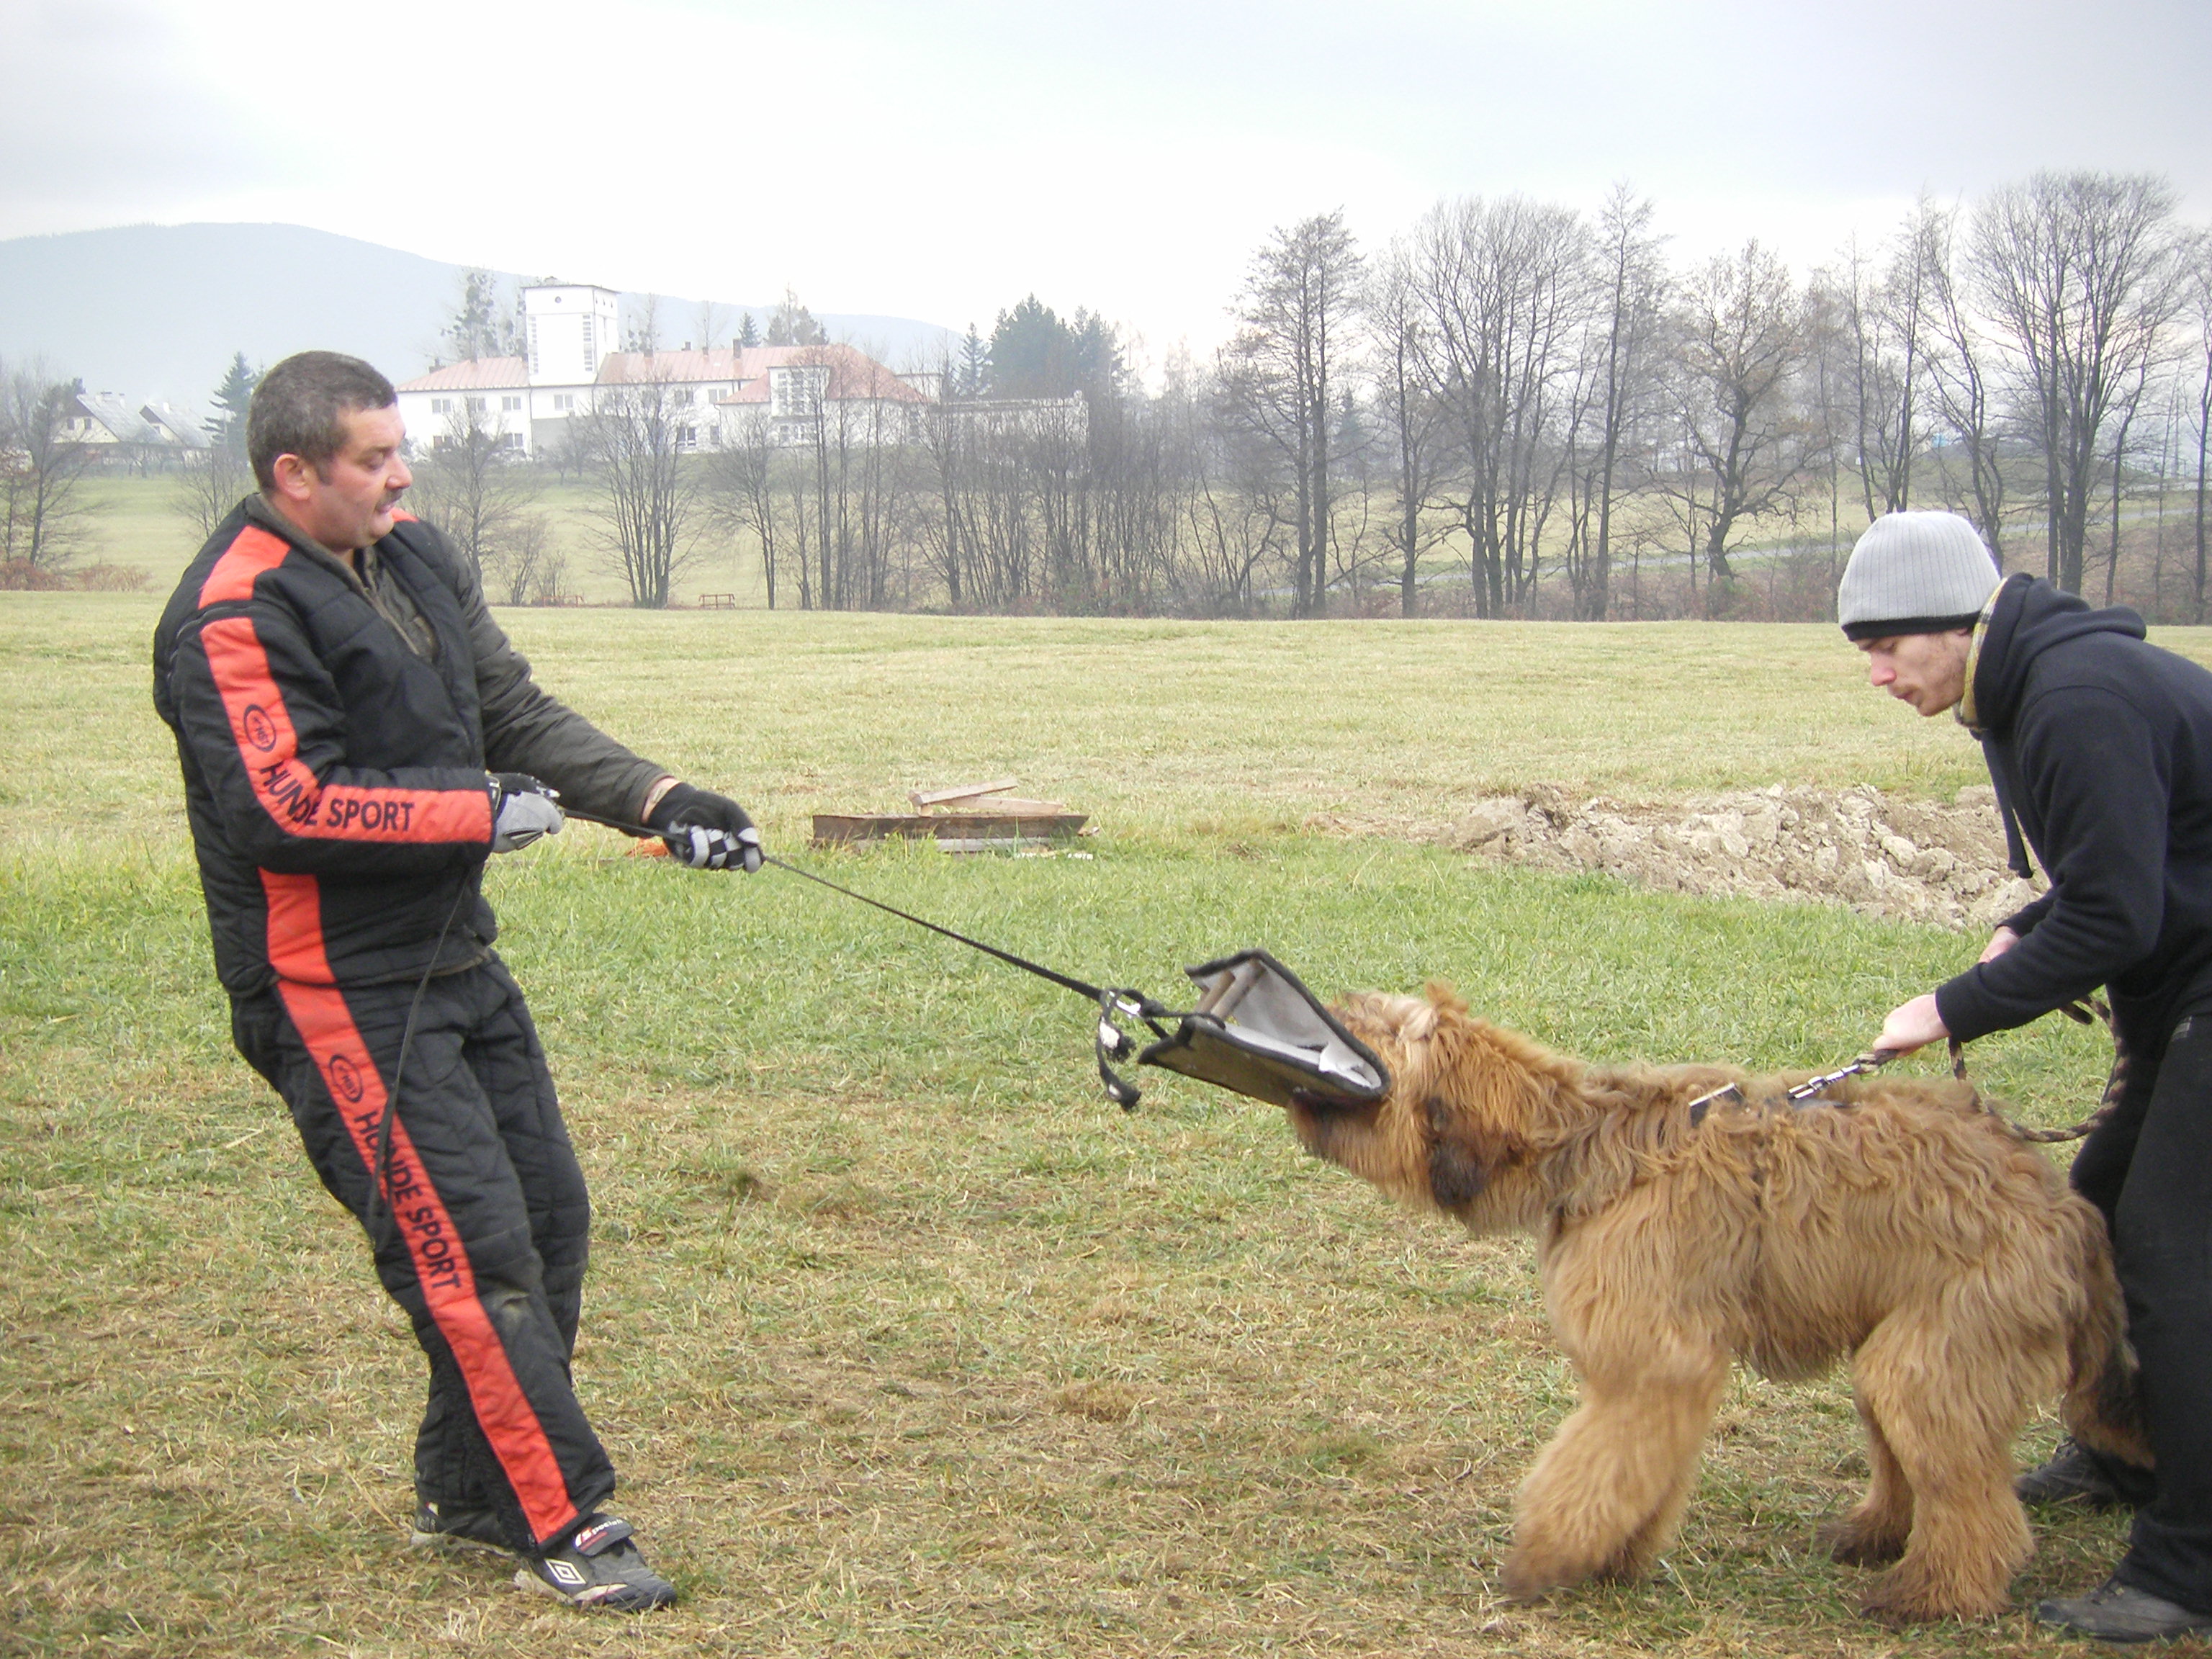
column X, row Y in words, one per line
column 1113, row 1044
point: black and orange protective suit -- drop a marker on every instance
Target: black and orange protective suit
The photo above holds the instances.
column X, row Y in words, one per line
column 335, row 726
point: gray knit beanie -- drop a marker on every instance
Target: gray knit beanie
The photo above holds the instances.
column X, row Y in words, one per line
column 1915, row 573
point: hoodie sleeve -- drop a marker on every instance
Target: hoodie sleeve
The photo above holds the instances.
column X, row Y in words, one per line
column 2100, row 781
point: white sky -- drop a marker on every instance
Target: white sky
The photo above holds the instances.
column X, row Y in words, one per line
column 940, row 158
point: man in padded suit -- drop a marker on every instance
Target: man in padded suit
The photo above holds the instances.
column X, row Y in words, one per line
column 357, row 737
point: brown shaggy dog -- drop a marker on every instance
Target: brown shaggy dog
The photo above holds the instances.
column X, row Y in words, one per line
column 1902, row 1226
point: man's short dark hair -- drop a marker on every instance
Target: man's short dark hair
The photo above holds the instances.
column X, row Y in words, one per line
column 300, row 407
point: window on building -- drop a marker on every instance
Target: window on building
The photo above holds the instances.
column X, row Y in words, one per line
column 510, row 403
column 511, row 440
column 797, row 391
column 687, row 437
column 564, row 402
column 476, row 405
column 442, row 406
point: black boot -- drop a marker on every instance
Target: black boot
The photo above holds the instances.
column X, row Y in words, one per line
column 2074, row 1474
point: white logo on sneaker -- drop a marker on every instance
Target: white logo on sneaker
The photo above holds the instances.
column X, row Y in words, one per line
column 564, row 1572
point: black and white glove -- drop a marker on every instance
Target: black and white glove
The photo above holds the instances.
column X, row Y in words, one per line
column 522, row 809
column 707, row 831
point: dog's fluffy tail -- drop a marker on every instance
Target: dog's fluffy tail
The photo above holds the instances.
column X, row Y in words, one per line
column 2103, row 1407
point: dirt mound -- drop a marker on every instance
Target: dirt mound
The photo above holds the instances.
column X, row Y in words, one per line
column 1905, row 859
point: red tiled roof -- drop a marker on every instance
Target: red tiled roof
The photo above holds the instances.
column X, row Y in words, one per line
column 477, row 374
column 852, row 373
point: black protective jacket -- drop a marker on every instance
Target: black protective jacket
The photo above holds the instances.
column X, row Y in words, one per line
column 335, row 728
column 2100, row 748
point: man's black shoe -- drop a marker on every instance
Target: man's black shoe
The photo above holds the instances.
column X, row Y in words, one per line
column 599, row 1566
column 457, row 1529
column 2074, row 1475
column 2114, row 1611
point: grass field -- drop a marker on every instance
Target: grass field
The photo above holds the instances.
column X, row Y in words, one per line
column 134, row 522
column 905, row 1341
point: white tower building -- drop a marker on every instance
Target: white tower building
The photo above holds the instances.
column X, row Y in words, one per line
column 571, row 326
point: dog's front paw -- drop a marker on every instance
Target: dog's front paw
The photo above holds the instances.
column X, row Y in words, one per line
column 1909, row 1598
column 1858, row 1542
column 1523, row 1580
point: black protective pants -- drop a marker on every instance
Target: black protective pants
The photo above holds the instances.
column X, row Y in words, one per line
column 482, row 1231
column 2148, row 1167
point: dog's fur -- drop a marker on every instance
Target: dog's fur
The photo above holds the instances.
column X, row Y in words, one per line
column 1902, row 1226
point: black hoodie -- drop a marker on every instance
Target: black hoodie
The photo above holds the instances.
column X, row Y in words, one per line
column 2101, row 747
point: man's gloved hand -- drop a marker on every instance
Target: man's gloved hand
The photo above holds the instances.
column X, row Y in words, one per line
column 706, row 830
column 522, row 810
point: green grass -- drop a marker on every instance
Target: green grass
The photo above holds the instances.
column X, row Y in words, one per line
column 905, row 1341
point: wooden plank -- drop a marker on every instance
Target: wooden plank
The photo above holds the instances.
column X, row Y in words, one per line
column 1016, row 806
column 925, row 798
column 832, row 828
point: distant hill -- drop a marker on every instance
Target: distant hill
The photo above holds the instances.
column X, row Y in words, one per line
column 155, row 311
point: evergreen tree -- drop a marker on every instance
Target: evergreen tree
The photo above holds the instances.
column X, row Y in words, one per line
column 482, row 323
column 793, row 325
column 228, row 424
column 1034, row 354
column 749, row 332
column 974, row 369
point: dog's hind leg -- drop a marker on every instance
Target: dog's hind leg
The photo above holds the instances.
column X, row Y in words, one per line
column 1606, row 1496
column 1948, row 1398
column 1873, row 1534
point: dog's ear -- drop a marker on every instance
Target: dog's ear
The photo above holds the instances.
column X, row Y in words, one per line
column 1458, row 1168
column 1444, row 999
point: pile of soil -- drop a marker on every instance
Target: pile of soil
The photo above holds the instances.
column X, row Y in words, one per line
column 1907, row 860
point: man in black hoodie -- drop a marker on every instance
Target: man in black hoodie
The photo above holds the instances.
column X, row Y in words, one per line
column 2100, row 745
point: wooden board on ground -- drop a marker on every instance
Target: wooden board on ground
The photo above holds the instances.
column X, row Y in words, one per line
column 993, row 829
column 923, row 799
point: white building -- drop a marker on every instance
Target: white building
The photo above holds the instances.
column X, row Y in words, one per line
column 724, row 396
column 153, row 437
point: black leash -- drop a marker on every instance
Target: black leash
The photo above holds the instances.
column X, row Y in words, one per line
column 1112, row 1043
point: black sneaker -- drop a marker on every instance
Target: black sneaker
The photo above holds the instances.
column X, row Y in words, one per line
column 2114, row 1611
column 457, row 1529
column 599, row 1566
column 2074, row 1475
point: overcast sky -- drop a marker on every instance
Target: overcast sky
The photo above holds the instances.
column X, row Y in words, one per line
column 940, row 158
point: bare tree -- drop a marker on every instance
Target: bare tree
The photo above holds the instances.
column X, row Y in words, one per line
column 645, row 487
column 1412, row 418
column 1741, row 343
column 738, row 485
column 474, row 483
column 1961, row 379
column 2199, row 299
column 531, row 568
column 1619, row 384
column 1885, row 333
column 211, row 483
column 1506, row 284
column 2080, row 270
column 1277, row 372
column 42, row 466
